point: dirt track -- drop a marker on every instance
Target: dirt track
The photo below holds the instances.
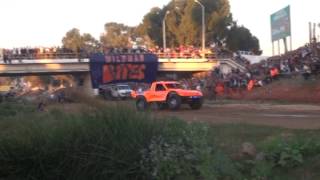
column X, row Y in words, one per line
column 287, row 116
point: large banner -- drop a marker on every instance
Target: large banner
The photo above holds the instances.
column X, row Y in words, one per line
column 280, row 24
column 117, row 68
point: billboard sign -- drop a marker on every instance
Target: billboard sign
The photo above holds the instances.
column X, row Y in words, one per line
column 280, row 24
column 120, row 68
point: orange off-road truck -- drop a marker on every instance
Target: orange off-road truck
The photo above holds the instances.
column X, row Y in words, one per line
column 167, row 94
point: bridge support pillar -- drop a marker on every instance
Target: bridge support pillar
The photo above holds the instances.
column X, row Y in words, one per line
column 85, row 86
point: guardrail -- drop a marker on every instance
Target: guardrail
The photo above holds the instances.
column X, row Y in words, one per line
column 175, row 55
column 73, row 57
column 44, row 56
column 83, row 55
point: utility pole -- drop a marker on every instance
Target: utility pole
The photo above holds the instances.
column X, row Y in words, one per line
column 203, row 26
column 314, row 32
column 164, row 31
column 285, row 45
column 310, row 33
column 279, row 47
column 272, row 48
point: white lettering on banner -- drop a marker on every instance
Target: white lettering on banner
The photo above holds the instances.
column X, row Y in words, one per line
column 123, row 58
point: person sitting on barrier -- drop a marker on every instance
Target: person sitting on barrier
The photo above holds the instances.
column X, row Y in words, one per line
column 306, row 71
column 274, row 73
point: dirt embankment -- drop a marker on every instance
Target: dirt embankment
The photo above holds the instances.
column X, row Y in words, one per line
column 295, row 90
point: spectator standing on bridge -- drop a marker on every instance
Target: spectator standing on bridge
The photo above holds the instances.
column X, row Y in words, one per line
column 5, row 57
column 8, row 56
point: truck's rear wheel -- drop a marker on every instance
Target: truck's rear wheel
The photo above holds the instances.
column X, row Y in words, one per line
column 141, row 104
column 174, row 101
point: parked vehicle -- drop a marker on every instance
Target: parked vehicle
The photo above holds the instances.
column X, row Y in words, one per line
column 167, row 94
column 115, row 91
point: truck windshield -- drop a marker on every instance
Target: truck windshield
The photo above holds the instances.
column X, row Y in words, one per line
column 174, row 86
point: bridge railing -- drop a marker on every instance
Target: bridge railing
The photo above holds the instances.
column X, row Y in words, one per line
column 37, row 56
column 185, row 55
column 45, row 56
column 81, row 56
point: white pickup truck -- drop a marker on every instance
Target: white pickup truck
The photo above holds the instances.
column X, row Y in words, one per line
column 115, row 91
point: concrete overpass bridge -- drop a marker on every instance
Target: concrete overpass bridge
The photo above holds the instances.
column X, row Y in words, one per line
column 61, row 66
column 80, row 69
column 40, row 66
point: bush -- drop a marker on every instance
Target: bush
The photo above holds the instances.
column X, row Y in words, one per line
column 95, row 145
column 107, row 143
column 183, row 151
column 280, row 155
column 291, row 151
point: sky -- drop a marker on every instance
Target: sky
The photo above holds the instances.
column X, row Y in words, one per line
column 44, row 22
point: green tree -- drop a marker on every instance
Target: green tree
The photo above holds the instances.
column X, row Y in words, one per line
column 116, row 35
column 90, row 44
column 184, row 22
column 219, row 19
column 240, row 38
column 152, row 26
column 75, row 41
column 189, row 27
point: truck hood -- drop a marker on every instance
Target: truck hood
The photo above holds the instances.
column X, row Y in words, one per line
column 185, row 92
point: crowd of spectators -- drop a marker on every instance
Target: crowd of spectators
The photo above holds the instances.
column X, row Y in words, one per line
column 38, row 53
column 304, row 61
column 187, row 52
column 126, row 51
column 191, row 52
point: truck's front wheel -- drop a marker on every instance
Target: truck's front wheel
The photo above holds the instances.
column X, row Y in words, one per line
column 141, row 104
column 174, row 101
